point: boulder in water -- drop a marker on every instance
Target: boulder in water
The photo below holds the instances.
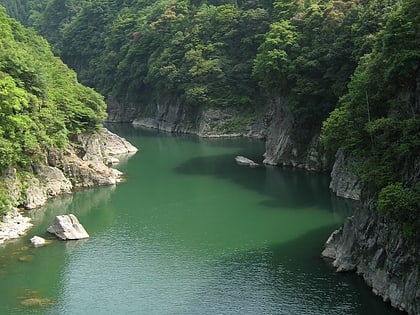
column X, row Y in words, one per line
column 245, row 161
column 67, row 227
column 38, row 241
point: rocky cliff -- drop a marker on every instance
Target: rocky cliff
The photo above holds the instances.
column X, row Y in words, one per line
column 343, row 181
column 171, row 114
column 375, row 249
column 85, row 163
column 283, row 147
column 274, row 122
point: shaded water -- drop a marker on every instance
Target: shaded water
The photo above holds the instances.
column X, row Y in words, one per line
column 189, row 232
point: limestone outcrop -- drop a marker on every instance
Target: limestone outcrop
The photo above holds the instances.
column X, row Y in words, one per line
column 68, row 227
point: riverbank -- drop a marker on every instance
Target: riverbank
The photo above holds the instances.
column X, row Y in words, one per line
column 87, row 162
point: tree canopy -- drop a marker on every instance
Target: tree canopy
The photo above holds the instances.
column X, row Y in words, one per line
column 41, row 102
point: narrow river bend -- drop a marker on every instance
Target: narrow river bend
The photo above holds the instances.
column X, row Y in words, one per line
column 189, row 232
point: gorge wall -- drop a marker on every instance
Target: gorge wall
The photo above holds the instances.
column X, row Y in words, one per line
column 274, row 123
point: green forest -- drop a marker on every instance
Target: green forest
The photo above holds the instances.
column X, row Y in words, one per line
column 348, row 68
column 41, row 101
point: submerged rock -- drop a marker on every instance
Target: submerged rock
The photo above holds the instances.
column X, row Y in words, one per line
column 67, row 227
column 245, row 161
column 26, row 258
column 36, row 302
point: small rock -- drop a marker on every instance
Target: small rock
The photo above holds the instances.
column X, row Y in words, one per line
column 67, row 227
column 245, row 161
column 38, row 241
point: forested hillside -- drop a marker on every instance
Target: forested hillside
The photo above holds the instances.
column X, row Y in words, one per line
column 348, row 70
column 41, row 102
column 360, row 57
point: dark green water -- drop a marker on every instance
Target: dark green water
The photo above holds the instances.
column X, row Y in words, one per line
column 189, row 232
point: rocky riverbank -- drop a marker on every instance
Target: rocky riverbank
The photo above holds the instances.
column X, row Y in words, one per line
column 375, row 249
column 85, row 163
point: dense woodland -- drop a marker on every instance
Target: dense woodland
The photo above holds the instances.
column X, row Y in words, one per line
column 350, row 67
column 41, row 102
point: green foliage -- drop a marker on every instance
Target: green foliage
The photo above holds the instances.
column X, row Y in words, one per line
column 307, row 55
column 200, row 51
column 41, row 102
column 402, row 204
column 378, row 119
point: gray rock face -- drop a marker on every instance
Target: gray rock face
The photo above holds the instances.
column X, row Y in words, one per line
column 281, row 145
column 343, row 182
column 376, row 250
column 170, row 114
column 67, row 227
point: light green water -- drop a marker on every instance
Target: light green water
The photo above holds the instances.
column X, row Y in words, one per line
column 189, row 232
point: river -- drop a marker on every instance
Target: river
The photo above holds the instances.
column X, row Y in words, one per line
column 189, row 232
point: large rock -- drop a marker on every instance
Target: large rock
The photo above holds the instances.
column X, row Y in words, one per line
column 115, row 145
column 67, row 227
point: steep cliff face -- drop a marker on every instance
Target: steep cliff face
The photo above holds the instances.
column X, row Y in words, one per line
column 170, row 114
column 375, row 248
column 343, row 181
column 273, row 122
column 282, row 145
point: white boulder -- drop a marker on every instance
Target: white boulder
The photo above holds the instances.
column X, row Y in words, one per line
column 67, row 227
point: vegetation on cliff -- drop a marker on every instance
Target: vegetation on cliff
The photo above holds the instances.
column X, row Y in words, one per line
column 41, row 102
column 354, row 63
column 378, row 119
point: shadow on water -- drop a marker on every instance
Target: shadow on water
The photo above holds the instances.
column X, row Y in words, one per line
column 283, row 187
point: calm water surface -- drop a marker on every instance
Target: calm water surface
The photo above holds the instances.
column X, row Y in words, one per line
column 189, row 232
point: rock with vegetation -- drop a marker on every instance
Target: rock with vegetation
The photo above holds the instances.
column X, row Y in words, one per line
column 51, row 135
column 68, row 227
column 345, row 70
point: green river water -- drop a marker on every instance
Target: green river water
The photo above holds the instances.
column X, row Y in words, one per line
column 189, row 232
